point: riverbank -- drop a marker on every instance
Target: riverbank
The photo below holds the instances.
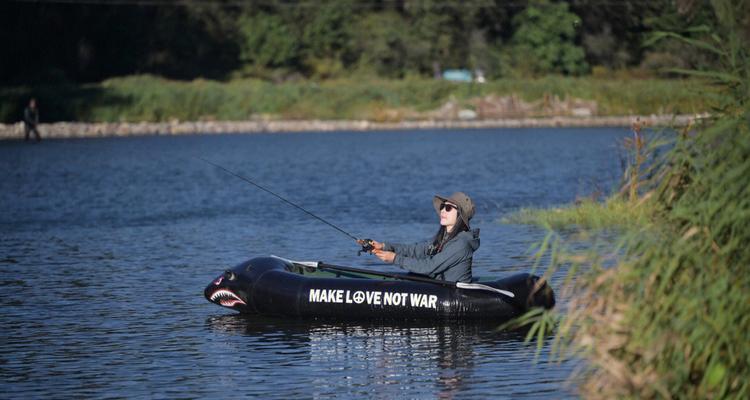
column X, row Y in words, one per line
column 61, row 130
column 146, row 98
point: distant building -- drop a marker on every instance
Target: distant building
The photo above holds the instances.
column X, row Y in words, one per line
column 463, row 75
column 457, row 75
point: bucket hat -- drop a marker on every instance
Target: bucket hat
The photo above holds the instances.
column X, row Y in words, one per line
column 464, row 203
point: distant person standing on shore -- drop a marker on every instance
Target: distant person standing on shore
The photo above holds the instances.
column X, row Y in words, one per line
column 31, row 120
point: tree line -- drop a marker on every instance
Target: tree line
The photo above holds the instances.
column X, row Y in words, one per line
column 91, row 40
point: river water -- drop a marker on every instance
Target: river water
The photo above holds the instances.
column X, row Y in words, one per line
column 106, row 246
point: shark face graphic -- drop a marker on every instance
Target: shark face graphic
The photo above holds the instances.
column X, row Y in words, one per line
column 226, row 298
column 223, row 291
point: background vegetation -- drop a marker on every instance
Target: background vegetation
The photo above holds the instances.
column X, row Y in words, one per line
column 152, row 98
column 77, row 55
column 92, row 40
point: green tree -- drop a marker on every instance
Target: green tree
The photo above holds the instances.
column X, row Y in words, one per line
column 442, row 31
column 682, row 17
column 545, row 38
column 382, row 43
column 267, row 41
column 326, row 36
column 492, row 28
column 612, row 31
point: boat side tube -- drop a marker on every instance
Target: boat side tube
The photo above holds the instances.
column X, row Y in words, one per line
column 272, row 286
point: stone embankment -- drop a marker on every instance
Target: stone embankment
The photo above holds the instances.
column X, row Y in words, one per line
column 84, row 129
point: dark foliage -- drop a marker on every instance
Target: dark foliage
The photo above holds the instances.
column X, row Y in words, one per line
column 88, row 41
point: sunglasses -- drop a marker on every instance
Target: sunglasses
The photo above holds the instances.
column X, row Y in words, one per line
column 448, row 207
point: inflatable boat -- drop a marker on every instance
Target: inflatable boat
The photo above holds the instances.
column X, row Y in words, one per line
column 279, row 287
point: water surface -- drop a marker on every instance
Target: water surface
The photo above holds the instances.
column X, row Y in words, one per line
column 107, row 244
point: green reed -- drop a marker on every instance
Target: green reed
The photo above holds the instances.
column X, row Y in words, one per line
column 671, row 319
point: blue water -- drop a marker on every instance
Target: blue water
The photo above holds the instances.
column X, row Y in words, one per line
column 106, row 246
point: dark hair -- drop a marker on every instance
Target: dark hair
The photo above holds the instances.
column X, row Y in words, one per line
column 438, row 242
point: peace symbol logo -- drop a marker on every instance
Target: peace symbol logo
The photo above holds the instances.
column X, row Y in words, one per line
column 359, row 297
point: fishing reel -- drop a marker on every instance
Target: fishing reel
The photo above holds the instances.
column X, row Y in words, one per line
column 367, row 246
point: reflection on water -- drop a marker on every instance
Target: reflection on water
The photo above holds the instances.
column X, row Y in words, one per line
column 383, row 358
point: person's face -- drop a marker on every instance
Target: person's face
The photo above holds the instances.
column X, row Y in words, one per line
column 32, row 104
column 448, row 218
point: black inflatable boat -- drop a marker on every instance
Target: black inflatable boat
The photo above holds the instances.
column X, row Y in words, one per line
column 275, row 286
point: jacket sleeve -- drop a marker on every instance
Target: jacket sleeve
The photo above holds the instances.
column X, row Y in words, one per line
column 437, row 264
column 416, row 250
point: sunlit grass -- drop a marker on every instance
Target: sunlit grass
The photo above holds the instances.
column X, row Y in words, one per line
column 587, row 214
column 151, row 98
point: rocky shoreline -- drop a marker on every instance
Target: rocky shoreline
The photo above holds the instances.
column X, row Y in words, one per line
column 60, row 130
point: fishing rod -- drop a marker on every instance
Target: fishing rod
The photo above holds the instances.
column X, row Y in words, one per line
column 367, row 244
column 410, row 277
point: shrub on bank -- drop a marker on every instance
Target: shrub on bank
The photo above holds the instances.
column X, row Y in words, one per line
column 153, row 99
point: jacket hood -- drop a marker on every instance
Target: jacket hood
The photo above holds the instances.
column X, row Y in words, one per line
column 471, row 237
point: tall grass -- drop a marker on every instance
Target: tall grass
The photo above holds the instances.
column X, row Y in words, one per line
column 150, row 98
column 672, row 318
column 615, row 212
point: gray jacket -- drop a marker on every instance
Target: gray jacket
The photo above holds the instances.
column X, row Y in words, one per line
column 453, row 263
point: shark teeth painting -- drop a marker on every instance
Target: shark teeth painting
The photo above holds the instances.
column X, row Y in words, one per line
column 226, row 298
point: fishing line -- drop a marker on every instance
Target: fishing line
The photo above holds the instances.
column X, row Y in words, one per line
column 279, row 197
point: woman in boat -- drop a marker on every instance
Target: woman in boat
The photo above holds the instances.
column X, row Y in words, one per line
column 448, row 255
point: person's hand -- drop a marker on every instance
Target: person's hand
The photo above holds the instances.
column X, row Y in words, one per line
column 376, row 245
column 385, row 256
